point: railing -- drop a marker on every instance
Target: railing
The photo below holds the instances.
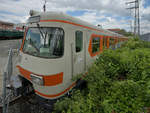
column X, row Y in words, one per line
column 6, row 82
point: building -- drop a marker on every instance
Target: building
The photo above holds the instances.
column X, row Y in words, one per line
column 122, row 32
column 19, row 26
column 6, row 25
column 114, row 30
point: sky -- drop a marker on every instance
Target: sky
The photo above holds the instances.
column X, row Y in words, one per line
column 108, row 13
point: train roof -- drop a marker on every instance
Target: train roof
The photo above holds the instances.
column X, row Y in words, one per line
column 66, row 18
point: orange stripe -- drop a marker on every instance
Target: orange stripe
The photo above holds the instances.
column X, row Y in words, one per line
column 24, row 72
column 101, row 43
column 56, row 95
column 53, row 79
column 108, row 41
column 25, row 33
column 64, row 21
column 49, row 80
column 61, row 93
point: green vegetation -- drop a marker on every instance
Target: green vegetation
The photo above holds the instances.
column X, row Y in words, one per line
column 125, row 33
column 118, row 82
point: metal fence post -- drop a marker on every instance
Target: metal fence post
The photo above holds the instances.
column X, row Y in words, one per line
column 4, row 92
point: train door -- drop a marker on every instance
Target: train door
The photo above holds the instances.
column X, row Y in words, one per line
column 79, row 51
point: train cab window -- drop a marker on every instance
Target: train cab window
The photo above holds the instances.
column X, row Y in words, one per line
column 79, row 40
column 44, row 42
column 95, row 44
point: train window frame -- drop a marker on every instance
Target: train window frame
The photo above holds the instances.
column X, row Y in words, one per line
column 97, row 44
column 42, row 56
column 80, row 47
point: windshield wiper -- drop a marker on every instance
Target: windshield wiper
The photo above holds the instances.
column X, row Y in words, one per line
column 44, row 37
column 40, row 30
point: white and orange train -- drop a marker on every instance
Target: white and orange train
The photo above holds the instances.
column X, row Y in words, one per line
column 56, row 47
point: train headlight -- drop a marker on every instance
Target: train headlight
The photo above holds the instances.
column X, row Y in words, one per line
column 37, row 79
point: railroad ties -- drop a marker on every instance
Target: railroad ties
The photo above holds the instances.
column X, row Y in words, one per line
column 16, row 99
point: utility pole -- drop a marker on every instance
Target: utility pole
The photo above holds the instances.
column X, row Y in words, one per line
column 136, row 16
column 131, row 21
column 44, row 6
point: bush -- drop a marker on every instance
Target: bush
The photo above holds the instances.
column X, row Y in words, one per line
column 135, row 43
column 124, row 97
column 118, row 81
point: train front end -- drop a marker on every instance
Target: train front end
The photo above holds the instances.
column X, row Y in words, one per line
column 41, row 57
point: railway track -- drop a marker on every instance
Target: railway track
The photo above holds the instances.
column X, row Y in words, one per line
column 18, row 99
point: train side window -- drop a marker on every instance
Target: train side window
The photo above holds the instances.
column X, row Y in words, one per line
column 104, row 42
column 95, row 44
column 79, row 40
column 112, row 43
column 118, row 44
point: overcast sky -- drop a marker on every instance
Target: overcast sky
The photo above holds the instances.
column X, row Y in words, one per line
column 108, row 13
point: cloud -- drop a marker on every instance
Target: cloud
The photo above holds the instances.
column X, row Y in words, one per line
column 108, row 13
column 114, row 7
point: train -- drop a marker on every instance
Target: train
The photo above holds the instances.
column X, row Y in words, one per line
column 57, row 47
column 10, row 34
